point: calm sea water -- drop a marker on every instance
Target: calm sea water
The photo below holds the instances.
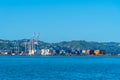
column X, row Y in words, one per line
column 59, row 68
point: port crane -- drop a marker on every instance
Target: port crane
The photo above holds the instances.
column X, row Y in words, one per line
column 33, row 44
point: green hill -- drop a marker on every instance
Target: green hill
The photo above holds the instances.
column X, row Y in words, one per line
column 110, row 47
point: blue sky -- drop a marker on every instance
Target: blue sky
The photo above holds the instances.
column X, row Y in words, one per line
column 61, row 20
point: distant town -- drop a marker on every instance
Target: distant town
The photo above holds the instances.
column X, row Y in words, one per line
column 32, row 46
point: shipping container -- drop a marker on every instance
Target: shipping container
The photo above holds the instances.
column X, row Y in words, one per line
column 88, row 51
column 79, row 51
column 83, row 51
column 57, row 51
column 91, row 52
column 96, row 52
column 102, row 52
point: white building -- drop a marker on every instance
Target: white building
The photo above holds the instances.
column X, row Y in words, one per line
column 45, row 52
column 31, row 52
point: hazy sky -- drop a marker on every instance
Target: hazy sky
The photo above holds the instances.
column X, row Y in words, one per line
column 61, row 20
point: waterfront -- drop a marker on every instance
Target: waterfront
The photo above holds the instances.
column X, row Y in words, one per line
column 59, row 68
